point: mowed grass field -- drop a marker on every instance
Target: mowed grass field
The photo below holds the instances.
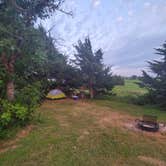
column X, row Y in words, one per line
column 85, row 133
column 122, row 101
column 131, row 88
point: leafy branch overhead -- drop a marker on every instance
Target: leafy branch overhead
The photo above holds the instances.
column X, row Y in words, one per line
column 19, row 39
column 32, row 10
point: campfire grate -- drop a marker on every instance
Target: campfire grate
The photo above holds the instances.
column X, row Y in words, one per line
column 148, row 123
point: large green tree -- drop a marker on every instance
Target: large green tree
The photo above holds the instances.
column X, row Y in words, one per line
column 18, row 37
column 94, row 72
column 156, row 82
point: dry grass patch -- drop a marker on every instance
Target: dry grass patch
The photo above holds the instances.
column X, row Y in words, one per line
column 12, row 144
column 152, row 161
column 83, row 133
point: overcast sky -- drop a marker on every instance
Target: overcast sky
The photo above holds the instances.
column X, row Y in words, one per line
column 126, row 30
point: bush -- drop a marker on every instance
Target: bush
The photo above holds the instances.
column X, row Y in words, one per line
column 118, row 80
column 5, row 113
column 142, row 100
column 13, row 113
column 19, row 112
column 5, row 118
column 30, row 96
column 154, row 99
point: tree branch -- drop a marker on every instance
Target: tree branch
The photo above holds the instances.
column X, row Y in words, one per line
column 20, row 9
column 17, row 7
column 68, row 13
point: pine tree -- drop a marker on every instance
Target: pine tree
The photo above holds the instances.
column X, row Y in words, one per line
column 17, row 32
column 94, row 72
column 156, row 83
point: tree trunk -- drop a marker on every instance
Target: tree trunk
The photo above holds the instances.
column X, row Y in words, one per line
column 10, row 90
column 91, row 91
column 9, row 67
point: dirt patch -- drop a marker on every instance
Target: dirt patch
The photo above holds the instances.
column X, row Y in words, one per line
column 113, row 119
column 12, row 144
column 105, row 118
column 23, row 133
column 152, row 161
column 132, row 126
column 9, row 148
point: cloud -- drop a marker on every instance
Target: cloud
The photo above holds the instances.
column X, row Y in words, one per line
column 127, row 71
column 147, row 4
column 96, row 3
column 126, row 33
column 119, row 19
column 130, row 13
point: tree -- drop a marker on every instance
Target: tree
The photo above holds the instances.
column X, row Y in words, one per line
column 31, row 10
column 118, row 80
column 17, row 33
column 93, row 70
column 2, row 80
column 72, row 77
column 156, row 84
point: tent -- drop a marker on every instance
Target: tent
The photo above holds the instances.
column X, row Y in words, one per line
column 55, row 94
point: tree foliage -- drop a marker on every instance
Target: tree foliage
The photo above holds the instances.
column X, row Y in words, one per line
column 156, row 84
column 28, row 57
column 22, row 46
column 31, row 10
column 94, row 72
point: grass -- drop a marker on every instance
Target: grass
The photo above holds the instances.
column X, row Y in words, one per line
column 86, row 133
column 125, row 95
column 130, row 88
column 133, row 109
column 69, row 133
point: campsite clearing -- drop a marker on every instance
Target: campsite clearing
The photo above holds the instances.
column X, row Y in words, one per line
column 84, row 133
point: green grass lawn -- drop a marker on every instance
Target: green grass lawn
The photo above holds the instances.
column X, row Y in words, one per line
column 133, row 109
column 122, row 102
column 131, row 88
column 74, row 133
column 87, row 133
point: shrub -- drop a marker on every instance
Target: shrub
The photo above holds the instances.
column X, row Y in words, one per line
column 142, row 100
column 118, row 80
column 13, row 113
column 30, row 96
column 18, row 113
column 21, row 113
column 5, row 113
column 5, row 118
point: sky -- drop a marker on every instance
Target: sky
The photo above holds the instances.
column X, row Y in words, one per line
column 126, row 30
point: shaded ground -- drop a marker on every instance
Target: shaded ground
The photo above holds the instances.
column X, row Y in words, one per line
column 83, row 133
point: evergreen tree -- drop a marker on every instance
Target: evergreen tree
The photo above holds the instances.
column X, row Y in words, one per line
column 156, row 83
column 18, row 37
column 94, row 72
